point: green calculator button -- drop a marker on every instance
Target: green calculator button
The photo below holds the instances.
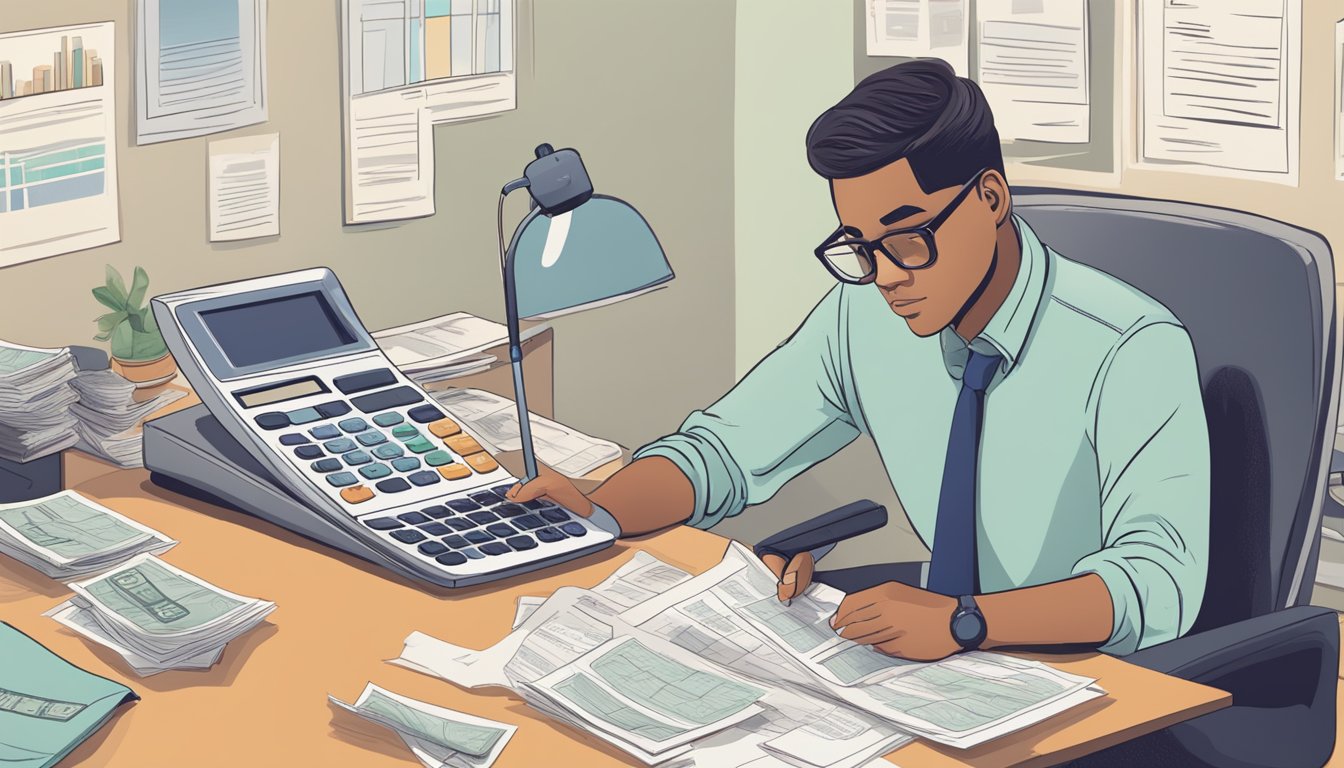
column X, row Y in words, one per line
column 419, row 445
column 389, row 419
column 375, row 471
column 405, row 432
column 438, row 458
column 406, row 464
column 388, row 451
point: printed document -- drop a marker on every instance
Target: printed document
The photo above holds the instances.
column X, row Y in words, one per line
column 1034, row 67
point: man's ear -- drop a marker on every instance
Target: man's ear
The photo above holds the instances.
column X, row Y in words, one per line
column 994, row 190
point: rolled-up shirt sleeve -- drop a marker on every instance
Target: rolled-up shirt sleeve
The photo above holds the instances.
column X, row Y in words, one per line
column 785, row 415
column 1152, row 448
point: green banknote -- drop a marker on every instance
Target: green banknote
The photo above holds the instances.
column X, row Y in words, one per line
column 467, row 738
column 159, row 601
column 13, row 360
column 67, row 526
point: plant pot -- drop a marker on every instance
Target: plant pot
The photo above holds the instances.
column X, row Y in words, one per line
column 147, row 373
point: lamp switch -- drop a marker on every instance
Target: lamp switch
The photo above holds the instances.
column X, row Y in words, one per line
column 558, row 181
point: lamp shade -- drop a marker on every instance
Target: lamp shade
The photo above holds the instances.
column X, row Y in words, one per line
column 599, row 252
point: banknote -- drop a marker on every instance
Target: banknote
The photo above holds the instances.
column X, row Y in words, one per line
column 66, row 535
column 159, row 600
column 457, row 738
column 15, row 358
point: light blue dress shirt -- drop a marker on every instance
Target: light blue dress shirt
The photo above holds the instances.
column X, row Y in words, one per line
column 1094, row 454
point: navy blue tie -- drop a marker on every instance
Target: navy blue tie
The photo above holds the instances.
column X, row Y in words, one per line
column 953, row 570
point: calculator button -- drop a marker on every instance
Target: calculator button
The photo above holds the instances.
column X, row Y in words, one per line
column 408, row 536
column 520, row 543
column 438, row 512
column 387, row 398
column 388, row 451
column 406, row 464
column 340, row 445
column 528, row 522
column 451, row 558
column 375, row 471
column 425, row 413
column 454, row 471
column 355, row 458
column 502, row 530
column 555, row 515
column 473, row 553
column 436, row 529
column 342, row 478
column 293, row 438
column 405, row 432
column 326, row 465
column 383, row 523
column 324, row 431
column 485, row 498
column 456, row 542
column 574, row 529
column 353, row 425
column 478, row 537
column 481, row 462
column 462, row 505
column 536, row 504
column 458, row 524
column 444, row 428
column 414, row 518
column 438, row 458
column 482, row 517
column 503, row 490
column 272, row 420
column 303, row 416
column 495, row 548
column 370, row 438
column 432, row 548
column 356, row 493
column 308, row 452
column 364, row 380
column 333, row 409
column 464, row 445
column 549, row 535
column 389, row 419
column 509, row 510
column 392, row 485
column 419, row 445
column 423, row 478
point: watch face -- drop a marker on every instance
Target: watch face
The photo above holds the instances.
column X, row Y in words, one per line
column 967, row 627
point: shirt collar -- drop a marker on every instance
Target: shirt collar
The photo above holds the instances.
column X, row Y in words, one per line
column 1006, row 333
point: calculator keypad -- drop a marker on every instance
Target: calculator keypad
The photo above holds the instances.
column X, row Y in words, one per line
column 482, row 526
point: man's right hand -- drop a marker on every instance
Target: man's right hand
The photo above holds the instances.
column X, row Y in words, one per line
column 555, row 487
column 793, row 576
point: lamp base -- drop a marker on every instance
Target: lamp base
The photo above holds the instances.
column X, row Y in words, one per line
column 30, row 480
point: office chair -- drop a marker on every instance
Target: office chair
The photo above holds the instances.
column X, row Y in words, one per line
column 1257, row 297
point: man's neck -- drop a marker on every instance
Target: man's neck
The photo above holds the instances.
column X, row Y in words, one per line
column 1007, row 259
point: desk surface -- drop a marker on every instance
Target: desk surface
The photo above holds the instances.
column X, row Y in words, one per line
column 338, row 618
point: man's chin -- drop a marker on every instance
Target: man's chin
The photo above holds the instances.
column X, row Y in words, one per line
column 922, row 326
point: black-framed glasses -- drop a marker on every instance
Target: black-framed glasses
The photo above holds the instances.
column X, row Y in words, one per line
column 853, row 260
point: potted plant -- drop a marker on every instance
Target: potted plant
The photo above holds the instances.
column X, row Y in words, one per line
column 138, row 350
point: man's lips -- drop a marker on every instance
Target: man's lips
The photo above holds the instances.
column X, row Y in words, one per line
column 903, row 302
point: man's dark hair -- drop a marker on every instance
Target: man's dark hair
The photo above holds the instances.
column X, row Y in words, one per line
column 919, row 110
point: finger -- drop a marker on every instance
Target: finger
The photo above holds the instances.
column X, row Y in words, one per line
column 775, row 563
column 865, row 613
column 872, row 632
column 797, row 575
column 851, row 606
column 528, row 491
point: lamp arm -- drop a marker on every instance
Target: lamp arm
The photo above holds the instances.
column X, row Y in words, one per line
column 515, row 341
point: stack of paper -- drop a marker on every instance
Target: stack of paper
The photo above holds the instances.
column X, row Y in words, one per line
column 445, row 347
column 437, row 736
column 667, row 676
column 67, row 536
column 158, row 617
column 48, row 706
column 109, row 418
column 495, row 420
column 35, row 400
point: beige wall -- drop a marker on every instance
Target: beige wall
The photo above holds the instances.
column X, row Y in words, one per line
column 651, row 116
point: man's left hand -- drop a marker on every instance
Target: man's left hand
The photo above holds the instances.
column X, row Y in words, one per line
column 899, row 620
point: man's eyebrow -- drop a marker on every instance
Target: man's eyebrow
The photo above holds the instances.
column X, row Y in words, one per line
column 900, row 213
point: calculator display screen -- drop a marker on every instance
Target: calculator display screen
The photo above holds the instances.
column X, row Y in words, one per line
column 278, row 393
column 275, row 330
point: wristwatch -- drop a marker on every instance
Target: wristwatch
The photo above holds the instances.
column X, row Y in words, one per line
column 968, row 624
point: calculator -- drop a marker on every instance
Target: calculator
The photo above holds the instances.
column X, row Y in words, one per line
column 285, row 366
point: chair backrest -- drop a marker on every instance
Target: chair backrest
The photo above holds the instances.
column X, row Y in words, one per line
column 1258, row 298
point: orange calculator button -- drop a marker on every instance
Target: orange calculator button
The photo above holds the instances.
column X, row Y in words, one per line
column 356, row 493
column 481, row 462
column 444, row 428
column 454, row 471
column 463, row 445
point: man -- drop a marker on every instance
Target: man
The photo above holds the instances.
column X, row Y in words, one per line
column 1041, row 421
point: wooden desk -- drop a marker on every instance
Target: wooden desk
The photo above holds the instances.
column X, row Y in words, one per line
column 338, row 618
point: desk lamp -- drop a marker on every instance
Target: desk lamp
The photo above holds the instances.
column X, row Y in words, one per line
column 574, row 250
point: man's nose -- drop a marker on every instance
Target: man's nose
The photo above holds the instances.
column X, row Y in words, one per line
column 889, row 275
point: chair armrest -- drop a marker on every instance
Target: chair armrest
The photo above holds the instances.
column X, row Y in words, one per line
column 841, row 523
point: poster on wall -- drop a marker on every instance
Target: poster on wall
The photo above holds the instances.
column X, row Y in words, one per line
column 406, row 66
column 58, row 141
column 200, row 67
column 920, row 28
